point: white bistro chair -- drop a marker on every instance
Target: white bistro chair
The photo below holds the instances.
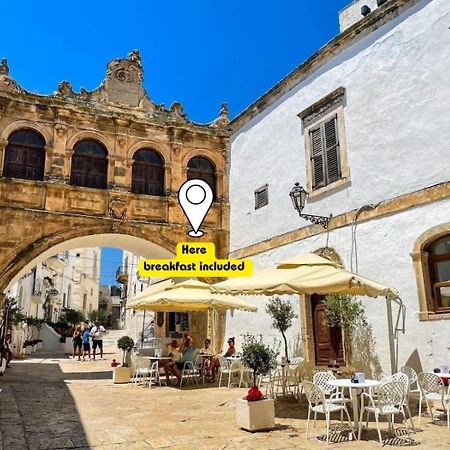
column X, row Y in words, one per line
column 432, row 389
column 153, row 375
column 141, row 369
column 388, row 401
column 229, row 369
column 318, row 404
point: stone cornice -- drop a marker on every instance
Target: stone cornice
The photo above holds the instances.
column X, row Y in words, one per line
column 388, row 207
column 348, row 37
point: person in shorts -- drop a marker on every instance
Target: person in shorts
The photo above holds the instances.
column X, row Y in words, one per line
column 97, row 332
column 86, row 343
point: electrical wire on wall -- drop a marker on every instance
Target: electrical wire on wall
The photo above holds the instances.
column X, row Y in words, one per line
column 354, row 247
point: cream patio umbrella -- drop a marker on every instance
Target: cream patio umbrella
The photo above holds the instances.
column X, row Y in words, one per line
column 153, row 289
column 312, row 274
column 192, row 296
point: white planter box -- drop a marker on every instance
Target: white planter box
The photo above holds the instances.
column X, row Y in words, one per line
column 28, row 350
column 121, row 375
column 255, row 416
column 67, row 347
column 39, row 346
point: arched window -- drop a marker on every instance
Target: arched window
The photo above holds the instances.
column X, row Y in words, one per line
column 439, row 267
column 203, row 169
column 89, row 165
column 25, row 156
column 147, row 173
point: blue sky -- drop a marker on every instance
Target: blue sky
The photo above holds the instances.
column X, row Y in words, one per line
column 198, row 52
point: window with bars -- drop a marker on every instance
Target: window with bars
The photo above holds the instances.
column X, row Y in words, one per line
column 325, row 157
column 262, row 197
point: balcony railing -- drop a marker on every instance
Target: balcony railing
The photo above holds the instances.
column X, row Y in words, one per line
column 122, row 274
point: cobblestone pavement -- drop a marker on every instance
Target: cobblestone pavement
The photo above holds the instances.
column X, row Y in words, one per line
column 51, row 402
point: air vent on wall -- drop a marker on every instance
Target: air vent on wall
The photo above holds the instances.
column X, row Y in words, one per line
column 262, row 196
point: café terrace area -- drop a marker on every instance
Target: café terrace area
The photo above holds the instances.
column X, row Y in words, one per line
column 94, row 413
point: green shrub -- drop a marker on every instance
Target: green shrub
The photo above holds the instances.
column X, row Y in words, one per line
column 258, row 356
column 125, row 343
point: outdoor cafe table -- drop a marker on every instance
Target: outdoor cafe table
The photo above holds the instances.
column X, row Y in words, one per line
column 354, row 387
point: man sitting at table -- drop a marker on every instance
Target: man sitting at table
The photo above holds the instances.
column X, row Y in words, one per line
column 175, row 367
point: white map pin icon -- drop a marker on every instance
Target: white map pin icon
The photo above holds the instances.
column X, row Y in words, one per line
column 195, row 197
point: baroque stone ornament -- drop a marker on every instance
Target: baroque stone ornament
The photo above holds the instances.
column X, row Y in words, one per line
column 4, row 69
column 177, row 110
column 117, row 209
column 7, row 84
column 65, row 89
column 223, row 120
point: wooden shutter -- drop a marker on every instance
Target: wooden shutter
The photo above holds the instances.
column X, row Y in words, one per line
column 317, row 163
column 325, row 158
column 333, row 172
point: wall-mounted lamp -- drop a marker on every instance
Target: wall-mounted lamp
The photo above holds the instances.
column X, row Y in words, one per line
column 298, row 196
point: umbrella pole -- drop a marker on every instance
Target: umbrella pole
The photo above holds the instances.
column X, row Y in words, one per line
column 142, row 334
column 213, row 325
column 391, row 336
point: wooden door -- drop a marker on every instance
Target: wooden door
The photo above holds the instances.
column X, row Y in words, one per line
column 327, row 340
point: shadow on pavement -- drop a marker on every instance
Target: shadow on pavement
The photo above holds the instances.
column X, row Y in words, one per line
column 37, row 410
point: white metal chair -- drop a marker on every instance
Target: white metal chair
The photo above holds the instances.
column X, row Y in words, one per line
column 389, row 401
column 318, row 404
column 414, row 390
column 403, row 378
column 246, row 375
column 141, row 369
column 153, row 375
column 321, row 379
column 228, row 368
column 188, row 373
column 268, row 382
column 432, row 389
column 297, row 360
column 199, row 366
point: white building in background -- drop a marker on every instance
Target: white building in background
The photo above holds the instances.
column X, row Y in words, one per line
column 135, row 322
column 66, row 280
column 364, row 126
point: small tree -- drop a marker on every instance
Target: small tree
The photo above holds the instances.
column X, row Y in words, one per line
column 282, row 314
column 125, row 343
column 346, row 312
column 258, row 356
column 73, row 316
column 98, row 314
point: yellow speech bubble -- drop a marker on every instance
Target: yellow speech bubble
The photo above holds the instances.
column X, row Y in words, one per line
column 195, row 260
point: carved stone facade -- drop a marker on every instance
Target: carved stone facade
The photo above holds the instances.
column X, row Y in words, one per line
column 35, row 215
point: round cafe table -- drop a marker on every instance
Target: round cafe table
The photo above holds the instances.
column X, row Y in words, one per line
column 354, row 388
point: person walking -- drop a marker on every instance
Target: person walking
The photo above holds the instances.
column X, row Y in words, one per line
column 86, row 344
column 97, row 332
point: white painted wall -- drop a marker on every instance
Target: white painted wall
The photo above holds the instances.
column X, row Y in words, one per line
column 384, row 248
column 352, row 13
column 397, row 131
column 395, row 118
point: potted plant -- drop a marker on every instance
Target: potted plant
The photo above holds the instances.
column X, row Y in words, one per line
column 254, row 412
column 123, row 374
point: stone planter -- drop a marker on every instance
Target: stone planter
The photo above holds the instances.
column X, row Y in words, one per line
column 33, row 348
column 67, row 347
column 121, row 375
column 28, row 349
column 255, row 416
column 39, row 346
